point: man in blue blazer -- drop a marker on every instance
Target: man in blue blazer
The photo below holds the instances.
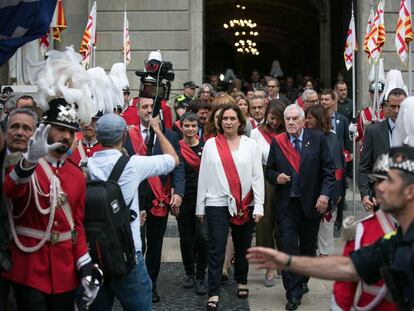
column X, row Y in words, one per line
column 155, row 195
column 301, row 169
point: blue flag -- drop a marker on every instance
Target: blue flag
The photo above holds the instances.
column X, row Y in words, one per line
column 22, row 21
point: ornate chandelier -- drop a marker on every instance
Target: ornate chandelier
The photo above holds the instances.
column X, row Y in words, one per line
column 244, row 32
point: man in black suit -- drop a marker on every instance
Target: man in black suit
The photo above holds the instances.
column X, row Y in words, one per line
column 378, row 137
column 301, row 169
column 340, row 126
column 156, row 201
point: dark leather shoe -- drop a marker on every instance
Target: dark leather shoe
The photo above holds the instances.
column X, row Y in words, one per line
column 305, row 288
column 292, row 304
column 189, row 282
column 155, row 297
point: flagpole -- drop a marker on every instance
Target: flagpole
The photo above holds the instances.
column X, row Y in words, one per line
column 123, row 35
column 410, row 78
column 51, row 43
column 353, row 117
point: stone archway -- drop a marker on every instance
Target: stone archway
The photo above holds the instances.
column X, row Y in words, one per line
column 295, row 32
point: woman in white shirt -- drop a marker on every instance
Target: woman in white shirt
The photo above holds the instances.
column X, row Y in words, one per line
column 266, row 233
column 230, row 192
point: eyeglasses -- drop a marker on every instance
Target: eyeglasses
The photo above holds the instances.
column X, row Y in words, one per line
column 315, row 101
column 272, row 86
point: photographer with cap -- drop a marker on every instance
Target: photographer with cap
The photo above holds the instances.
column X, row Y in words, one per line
column 182, row 101
column 390, row 258
column 133, row 290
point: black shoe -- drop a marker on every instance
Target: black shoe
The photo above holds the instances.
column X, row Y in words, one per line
column 189, row 282
column 200, row 287
column 292, row 304
column 305, row 288
column 155, row 297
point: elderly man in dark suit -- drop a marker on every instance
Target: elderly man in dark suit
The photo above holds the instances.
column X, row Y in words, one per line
column 157, row 196
column 301, row 169
column 378, row 137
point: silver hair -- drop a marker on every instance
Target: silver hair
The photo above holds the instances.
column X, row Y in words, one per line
column 25, row 111
column 296, row 107
column 210, row 87
column 307, row 93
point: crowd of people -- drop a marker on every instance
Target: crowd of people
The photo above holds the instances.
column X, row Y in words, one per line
column 268, row 157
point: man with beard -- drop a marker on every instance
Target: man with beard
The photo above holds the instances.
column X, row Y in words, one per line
column 88, row 145
column 49, row 251
column 159, row 194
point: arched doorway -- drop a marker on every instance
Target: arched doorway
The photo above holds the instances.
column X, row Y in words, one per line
column 289, row 31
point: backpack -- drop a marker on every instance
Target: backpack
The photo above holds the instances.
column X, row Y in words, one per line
column 108, row 224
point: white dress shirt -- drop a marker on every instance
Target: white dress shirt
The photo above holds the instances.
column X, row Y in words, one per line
column 138, row 169
column 213, row 188
column 262, row 144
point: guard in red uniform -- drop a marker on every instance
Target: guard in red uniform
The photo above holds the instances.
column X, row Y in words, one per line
column 87, row 144
column 49, row 251
column 360, row 234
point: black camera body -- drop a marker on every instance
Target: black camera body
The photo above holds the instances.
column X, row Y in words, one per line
column 152, row 79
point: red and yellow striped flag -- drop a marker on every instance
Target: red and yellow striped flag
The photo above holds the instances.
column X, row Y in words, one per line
column 89, row 37
column 368, row 31
column 58, row 23
column 376, row 38
column 404, row 32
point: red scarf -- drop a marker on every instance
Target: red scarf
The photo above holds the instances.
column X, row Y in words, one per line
column 267, row 135
column 253, row 123
column 190, row 156
column 289, row 151
column 234, row 181
column 162, row 193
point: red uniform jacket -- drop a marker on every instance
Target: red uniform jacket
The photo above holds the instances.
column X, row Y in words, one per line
column 368, row 231
column 51, row 269
column 89, row 150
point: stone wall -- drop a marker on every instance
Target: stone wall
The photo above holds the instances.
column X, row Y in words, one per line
column 173, row 26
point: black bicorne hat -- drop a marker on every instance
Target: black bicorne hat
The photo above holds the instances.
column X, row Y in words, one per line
column 62, row 114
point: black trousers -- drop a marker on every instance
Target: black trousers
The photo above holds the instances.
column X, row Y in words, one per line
column 153, row 231
column 193, row 240
column 30, row 299
column 218, row 220
column 298, row 236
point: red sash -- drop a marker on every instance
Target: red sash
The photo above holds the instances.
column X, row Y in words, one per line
column 339, row 173
column 288, row 151
column 253, row 123
column 162, row 193
column 234, row 181
column 267, row 135
column 190, row 156
column 178, row 125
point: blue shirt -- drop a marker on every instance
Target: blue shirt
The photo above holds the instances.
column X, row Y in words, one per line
column 292, row 139
column 138, row 169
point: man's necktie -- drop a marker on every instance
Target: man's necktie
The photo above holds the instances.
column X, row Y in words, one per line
column 296, row 141
column 146, row 133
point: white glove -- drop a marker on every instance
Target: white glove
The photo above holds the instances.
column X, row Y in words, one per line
column 90, row 291
column 232, row 206
column 38, row 147
column 352, row 128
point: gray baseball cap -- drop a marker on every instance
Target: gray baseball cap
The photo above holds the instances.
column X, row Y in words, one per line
column 110, row 128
